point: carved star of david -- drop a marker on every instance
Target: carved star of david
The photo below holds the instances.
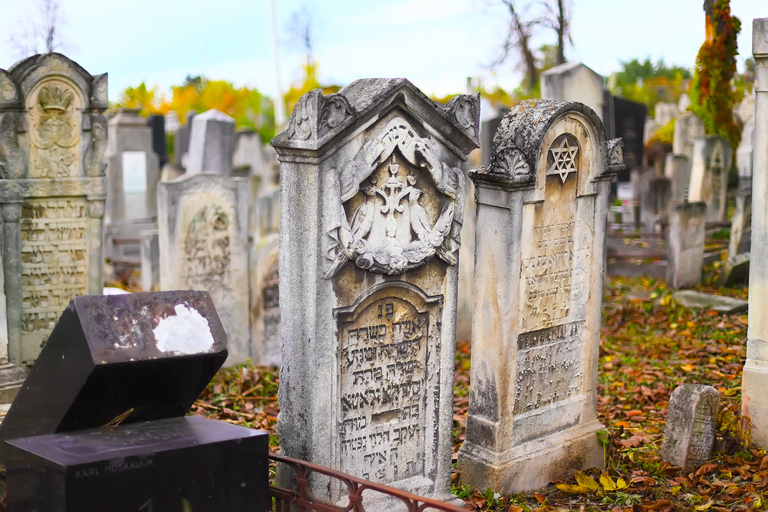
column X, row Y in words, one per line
column 564, row 159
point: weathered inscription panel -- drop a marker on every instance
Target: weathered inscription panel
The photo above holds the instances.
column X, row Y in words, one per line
column 54, row 260
column 550, row 366
column 207, row 249
column 703, row 431
column 552, row 267
column 384, row 352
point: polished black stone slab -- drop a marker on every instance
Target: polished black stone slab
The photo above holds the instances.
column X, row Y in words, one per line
column 187, row 464
column 147, row 354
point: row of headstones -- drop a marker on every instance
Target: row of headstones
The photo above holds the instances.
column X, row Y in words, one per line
column 372, row 200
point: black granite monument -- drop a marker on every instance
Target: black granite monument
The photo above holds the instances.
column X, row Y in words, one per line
column 99, row 423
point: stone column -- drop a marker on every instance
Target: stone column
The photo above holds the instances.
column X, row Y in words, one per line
column 95, row 206
column 755, row 382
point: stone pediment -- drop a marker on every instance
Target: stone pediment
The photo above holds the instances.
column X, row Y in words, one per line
column 518, row 140
column 318, row 119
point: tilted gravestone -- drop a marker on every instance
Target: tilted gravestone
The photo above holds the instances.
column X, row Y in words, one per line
column 52, row 189
column 685, row 244
column 371, row 210
column 203, row 239
column 99, row 423
column 540, row 250
column 709, row 175
column 689, row 434
column 754, row 403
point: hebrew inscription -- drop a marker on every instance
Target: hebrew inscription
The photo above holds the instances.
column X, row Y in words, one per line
column 54, row 258
column 384, row 353
column 551, row 265
column 550, row 366
column 54, row 119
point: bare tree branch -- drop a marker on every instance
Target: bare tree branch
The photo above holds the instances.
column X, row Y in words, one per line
column 39, row 30
column 302, row 28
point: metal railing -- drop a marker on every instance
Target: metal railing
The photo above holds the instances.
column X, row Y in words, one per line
column 301, row 499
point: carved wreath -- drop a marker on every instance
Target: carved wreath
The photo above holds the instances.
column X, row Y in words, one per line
column 390, row 232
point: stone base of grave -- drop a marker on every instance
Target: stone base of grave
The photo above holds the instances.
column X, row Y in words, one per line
column 754, row 399
column 11, row 379
column 534, row 464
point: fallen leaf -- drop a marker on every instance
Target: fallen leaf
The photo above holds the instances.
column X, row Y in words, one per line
column 706, row 468
column 586, row 481
column 704, row 506
column 572, row 489
column 607, row 482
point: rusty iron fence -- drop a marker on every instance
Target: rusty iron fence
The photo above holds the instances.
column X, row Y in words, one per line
column 301, row 498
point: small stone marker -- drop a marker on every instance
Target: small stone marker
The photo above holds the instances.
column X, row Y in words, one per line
column 689, row 434
column 678, row 169
column 656, row 199
column 99, row 423
column 53, row 135
column 709, row 175
column 685, row 244
column 372, row 203
column 211, row 144
column 540, row 253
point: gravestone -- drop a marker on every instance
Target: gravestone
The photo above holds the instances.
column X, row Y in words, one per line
column 248, row 159
column 211, row 143
column 685, row 244
column 736, row 267
column 754, row 403
column 540, row 251
column 157, row 124
column 689, row 434
column 574, row 81
column 99, row 423
column 371, row 210
column 133, row 168
column 52, row 139
column 656, row 200
column 624, row 119
column 181, row 140
column 203, row 235
column 709, row 175
column 744, row 155
column 688, row 126
column 172, row 122
column 150, row 259
column 678, row 169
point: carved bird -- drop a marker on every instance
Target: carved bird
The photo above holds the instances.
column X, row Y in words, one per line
column 362, row 220
column 419, row 220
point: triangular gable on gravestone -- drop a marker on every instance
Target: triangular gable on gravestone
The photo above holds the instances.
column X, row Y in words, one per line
column 372, row 203
column 148, row 353
column 540, row 255
column 53, row 135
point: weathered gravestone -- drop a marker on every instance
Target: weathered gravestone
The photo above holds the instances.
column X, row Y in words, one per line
column 181, row 140
column 203, row 235
column 754, row 403
column 264, row 274
column 99, row 423
column 52, row 190
column 150, row 259
column 685, row 244
column 211, row 143
column 678, row 169
column 371, row 209
column 133, row 168
column 736, row 267
column 689, row 434
column 656, row 198
column 540, row 249
column 688, row 126
column 709, row 175
column 156, row 122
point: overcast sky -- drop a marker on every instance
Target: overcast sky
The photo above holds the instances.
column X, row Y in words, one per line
column 436, row 44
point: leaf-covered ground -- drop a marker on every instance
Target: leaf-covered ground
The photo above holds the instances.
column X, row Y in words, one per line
column 649, row 345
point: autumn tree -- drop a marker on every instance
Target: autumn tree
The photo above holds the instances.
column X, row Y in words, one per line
column 648, row 82
column 712, row 95
column 40, row 30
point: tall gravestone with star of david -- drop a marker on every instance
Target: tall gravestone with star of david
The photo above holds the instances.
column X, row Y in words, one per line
column 372, row 203
column 542, row 206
